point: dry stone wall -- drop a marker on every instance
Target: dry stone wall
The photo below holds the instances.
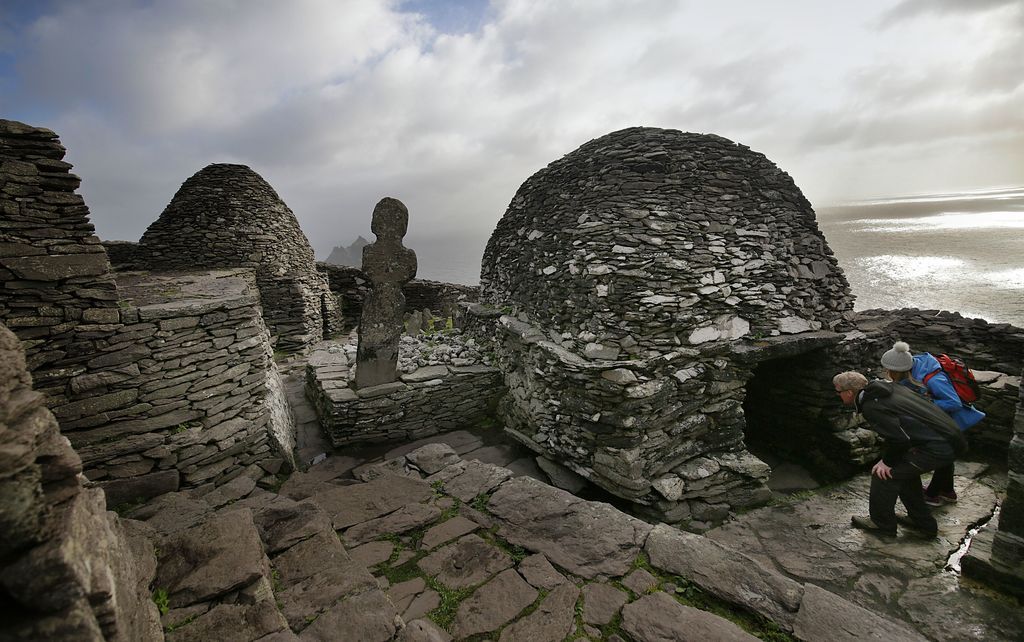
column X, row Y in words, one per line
column 197, row 392
column 425, row 401
column 69, row 570
column 646, row 239
column 227, row 216
column 58, row 295
column 351, row 286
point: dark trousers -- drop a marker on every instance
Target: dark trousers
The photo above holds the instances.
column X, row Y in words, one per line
column 905, row 484
column 942, row 481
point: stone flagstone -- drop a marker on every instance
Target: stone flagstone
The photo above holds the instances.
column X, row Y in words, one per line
column 552, row 621
column 493, row 604
column 660, row 617
column 467, row 562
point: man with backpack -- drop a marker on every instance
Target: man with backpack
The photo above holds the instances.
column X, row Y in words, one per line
column 934, row 379
column 919, row 437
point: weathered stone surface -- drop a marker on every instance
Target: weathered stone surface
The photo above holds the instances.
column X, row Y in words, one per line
column 467, row 562
column 388, row 265
column 406, row 518
column 447, row 530
column 539, row 572
column 314, row 574
column 493, row 604
column 560, row 476
column 284, row 523
column 475, row 479
column 432, row 457
column 640, row 581
column 422, row 631
column 212, row 558
column 601, row 603
column 589, row 539
column 368, row 617
column 659, row 617
column 140, row 488
column 726, row 573
column 824, row 615
column 552, row 621
column 422, row 604
column 226, row 622
column 372, row 554
column 349, row 505
column 403, row 593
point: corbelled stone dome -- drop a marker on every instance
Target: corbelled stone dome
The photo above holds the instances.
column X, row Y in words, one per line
column 648, row 238
column 239, row 219
column 228, row 216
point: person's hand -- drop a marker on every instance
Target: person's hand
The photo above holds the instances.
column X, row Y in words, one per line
column 881, row 471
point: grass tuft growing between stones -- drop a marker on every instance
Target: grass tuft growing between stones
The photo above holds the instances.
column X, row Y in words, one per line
column 516, row 552
column 444, row 614
column 161, row 599
column 479, row 502
column 689, row 594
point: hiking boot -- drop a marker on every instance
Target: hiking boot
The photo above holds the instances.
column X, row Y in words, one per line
column 916, row 529
column 940, row 499
column 868, row 524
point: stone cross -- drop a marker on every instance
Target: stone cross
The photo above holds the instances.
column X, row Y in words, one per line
column 388, row 265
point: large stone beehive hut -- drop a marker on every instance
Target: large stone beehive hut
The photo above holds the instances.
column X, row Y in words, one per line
column 228, row 216
column 630, row 271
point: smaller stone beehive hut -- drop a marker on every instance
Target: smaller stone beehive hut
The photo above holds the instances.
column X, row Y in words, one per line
column 227, row 216
column 628, row 271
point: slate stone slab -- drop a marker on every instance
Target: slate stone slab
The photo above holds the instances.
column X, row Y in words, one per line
column 552, row 621
column 493, row 604
column 212, row 558
column 226, row 622
column 367, row 617
column 826, row 616
column 403, row 520
column 432, row 457
column 560, row 476
column 539, row 572
column 313, row 575
column 477, row 478
column 284, row 523
column 601, row 602
column 422, row 604
column 446, row 531
column 350, row 505
column 372, row 554
column 422, row 631
column 726, row 573
column 403, row 593
column 640, row 581
column 660, row 617
column 132, row 489
column 589, row 539
column 467, row 562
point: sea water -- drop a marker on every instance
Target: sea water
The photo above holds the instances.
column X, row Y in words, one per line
column 962, row 252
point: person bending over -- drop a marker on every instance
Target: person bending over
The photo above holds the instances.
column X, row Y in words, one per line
column 918, row 436
column 923, row 374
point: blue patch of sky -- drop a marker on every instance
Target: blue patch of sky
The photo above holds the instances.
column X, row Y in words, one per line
column 450, row 16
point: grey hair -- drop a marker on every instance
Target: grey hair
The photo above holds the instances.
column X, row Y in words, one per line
column 849, row 381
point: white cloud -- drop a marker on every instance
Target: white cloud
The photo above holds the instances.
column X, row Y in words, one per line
column 339, row 103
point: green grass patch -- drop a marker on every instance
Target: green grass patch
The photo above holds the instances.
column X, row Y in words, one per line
column 161, row 599
column 480, row 502
column 177, row 625
column 451, row 511
column 444, row 614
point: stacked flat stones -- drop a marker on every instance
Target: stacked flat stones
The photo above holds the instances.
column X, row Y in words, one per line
column 626, row 271
column 645, row 239
column 228, row 216
column 58, row 295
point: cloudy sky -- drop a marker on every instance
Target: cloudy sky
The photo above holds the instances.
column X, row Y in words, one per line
column 450, row 106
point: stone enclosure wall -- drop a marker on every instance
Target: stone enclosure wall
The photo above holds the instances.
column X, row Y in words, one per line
column 69, row 570
column 158, row 381
column 426, row 401
column 227, row 216
column 351, row 286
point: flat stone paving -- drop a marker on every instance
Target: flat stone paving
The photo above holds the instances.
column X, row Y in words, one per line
column 811, row 540
column 805, row 537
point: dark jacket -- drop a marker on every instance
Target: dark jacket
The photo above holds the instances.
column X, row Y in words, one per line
column 907, row 420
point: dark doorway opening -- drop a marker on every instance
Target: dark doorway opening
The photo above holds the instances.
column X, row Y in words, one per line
column 788, row 409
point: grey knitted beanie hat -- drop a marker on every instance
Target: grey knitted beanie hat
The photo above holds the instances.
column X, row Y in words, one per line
column 899, row 358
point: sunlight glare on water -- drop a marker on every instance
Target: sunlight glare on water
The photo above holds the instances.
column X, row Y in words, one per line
column 946, row 222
